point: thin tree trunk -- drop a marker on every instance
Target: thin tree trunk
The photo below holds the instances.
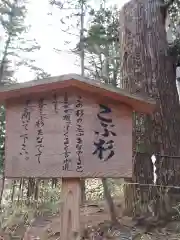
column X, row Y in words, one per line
column 36, row 189
column 147, row 69
column 83, row 191
column 110, row 202
column 13, row 190
column 2, row 184
column 20, row 189
column 30, row 190
column 82, row 56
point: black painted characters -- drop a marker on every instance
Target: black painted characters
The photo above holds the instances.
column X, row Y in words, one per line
column 79, row 133
column 72, row 122
column 67, row 164
column 104, row 146
column 39, row 125
column 25, row 119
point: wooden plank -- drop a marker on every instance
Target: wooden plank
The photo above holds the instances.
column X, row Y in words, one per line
column 70, row 214
column 68, row 136
column 137, row 102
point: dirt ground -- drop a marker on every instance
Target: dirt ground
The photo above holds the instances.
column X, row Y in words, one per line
column 96, row 225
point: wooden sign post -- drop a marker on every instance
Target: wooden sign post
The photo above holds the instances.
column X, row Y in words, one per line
column 69, row 127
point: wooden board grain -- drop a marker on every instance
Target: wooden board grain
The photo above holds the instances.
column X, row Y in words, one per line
column 67, row 135
column 70, row 209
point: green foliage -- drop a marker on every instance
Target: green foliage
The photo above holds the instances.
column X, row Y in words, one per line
column 12, row 25
column 16, row 47
column 174, row 13
column 104, row 25
column 101, row 45
column 99, row 39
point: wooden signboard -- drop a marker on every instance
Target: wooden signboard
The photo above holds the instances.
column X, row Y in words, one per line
column 68, row 136
column 69, row 127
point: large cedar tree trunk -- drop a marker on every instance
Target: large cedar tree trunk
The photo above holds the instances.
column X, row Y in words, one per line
column 148, row 69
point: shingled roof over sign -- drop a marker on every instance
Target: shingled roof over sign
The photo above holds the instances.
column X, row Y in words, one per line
column 137, row 102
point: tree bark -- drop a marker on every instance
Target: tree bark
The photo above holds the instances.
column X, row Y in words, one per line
column 148, row 69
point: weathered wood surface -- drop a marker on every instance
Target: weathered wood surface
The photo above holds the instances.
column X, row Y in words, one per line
column 137, row 102
column 70, row 215
column 68, row 136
